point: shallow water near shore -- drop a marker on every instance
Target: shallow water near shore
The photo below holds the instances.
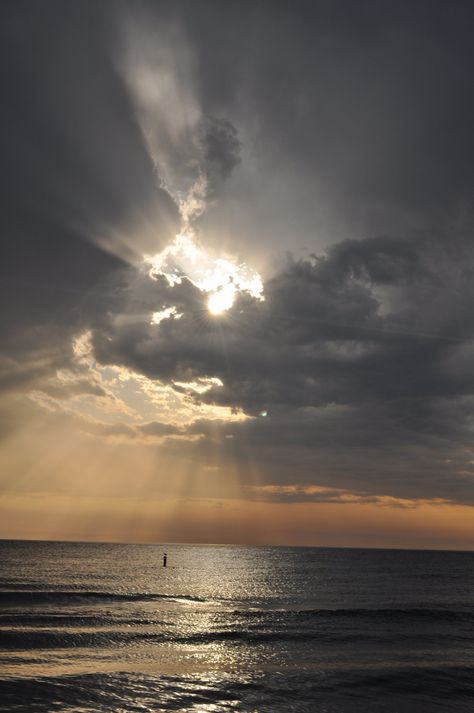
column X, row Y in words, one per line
column 105, row 627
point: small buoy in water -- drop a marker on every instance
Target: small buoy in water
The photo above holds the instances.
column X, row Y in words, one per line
column 165, row 557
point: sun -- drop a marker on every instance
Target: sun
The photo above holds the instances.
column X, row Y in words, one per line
column 221, row 300
column 221, row 279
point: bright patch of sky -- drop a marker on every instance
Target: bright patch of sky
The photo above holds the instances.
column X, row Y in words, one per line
column 165, row 313
column 116, row 395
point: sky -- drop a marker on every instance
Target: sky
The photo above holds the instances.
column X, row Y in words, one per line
column 237, row 274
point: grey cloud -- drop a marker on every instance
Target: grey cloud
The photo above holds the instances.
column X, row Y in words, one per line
column 379, row 260
column 359, row 450
column 358, row 116
column 75, row 172
column 358, row 393
column 32, row 355
column 320, row 336
column 221, row 151
column 156, row 428
column 303, row 495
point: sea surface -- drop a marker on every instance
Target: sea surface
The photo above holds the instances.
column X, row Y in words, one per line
column 105, row 627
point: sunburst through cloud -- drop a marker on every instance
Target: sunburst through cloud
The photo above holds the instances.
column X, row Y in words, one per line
column 220, row 278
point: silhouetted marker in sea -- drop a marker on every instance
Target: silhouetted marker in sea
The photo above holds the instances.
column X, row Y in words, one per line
column 165, row 557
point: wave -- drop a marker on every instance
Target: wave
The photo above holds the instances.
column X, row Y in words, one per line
column 37, row 638
column 77, row 596
column 21, row 639
column 68, row 620
column 408, row 613
column 422, row 689
column 23, row 599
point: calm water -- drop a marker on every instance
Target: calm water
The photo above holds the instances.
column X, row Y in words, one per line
column 104, row 627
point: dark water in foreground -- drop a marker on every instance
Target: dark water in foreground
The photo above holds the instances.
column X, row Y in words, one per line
column 99, row 627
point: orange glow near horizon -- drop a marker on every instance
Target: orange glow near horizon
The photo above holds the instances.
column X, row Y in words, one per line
column 63, row 484
column 234, row 521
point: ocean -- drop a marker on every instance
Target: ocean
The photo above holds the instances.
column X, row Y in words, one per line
column 105, row 627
